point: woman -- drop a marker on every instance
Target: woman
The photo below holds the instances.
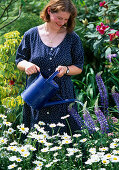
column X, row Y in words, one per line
column 49, row 47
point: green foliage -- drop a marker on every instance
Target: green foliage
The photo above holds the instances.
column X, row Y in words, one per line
column 10, row 77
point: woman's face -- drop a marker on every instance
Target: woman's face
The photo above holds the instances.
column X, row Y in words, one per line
column 59, row 19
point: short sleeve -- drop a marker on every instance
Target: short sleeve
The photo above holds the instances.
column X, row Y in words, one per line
column 23, row 51
column 77, row 52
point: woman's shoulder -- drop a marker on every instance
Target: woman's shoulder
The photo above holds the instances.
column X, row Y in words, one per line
column 74, row 35
column 31, row 31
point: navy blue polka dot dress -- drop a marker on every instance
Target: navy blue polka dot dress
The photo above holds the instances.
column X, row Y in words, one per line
column 68, row 52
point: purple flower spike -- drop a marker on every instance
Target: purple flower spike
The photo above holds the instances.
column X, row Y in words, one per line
column 103, row 93
column 76, row 117
column 88, row 119
column 101, row 119
column 110, row 56
column 115, row 96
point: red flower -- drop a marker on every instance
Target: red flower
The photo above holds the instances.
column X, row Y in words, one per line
column 101, row 29
column 102, row 4
column 113, row 35
column 11, row 82
column 117, row 33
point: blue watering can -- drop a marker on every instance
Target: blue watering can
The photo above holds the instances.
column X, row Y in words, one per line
column 41, row 90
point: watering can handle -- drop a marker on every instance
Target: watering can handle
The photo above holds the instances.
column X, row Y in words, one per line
column 52, row 76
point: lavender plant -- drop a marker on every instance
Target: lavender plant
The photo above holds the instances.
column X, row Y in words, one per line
column 76, row 117
column 88, row 119
column 103, row 93
column 115, row 96
column 101, row 119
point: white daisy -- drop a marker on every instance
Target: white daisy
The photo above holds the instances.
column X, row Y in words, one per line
column 32, row 148
column 83, row 140
column 66, row 141
column 38, row 168
column 3, row 116
column 105, row 161
column 115, row 159
column 48, row 144
column 45, row 149
column 100, row 154
column 76, row 135
column 88, row 162
column 12, row 158
column 55, row 148
column 7, row 123
column 65, row 117
column 78, row 156
column 65, row 136
column 3, row 140
column 52, row 125
column 18, row 159
column 60, row 124
column 74, row 150
column 116, row 140
column 108, row 156
column 113, row 145
column 22, row 149
column 12, row 166
column 23, row 129
column 10, row 130
column 12, row 148
column 95, row 158
column 25, row 154
column 41, row 123
column 0, row 125
column 38, row 163
column 14, row 143
column 103, row 149
column 49, row 165
column 92, row 150
column 115, row 152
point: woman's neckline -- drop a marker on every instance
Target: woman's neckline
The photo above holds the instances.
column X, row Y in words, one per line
column 51, row 46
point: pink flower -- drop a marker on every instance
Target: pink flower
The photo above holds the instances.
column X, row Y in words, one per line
column 110, row 56
column 115, row 120
column 101, row 29
column 102, row 4
column 110, row 134
column 117, row 33
column 113, row 35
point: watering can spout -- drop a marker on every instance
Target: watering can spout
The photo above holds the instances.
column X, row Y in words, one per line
column 63, row 101
column 41, row 91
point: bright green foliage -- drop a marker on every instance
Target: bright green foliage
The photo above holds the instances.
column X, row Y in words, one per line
column 10, row 77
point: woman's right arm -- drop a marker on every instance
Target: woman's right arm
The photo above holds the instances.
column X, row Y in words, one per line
column 28, row 67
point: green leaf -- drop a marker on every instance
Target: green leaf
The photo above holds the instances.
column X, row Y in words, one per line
column 116, row 2
column 107, row 52
column 96, row 44
column 90, row 26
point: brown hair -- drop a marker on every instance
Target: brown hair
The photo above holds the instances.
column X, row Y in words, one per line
column 60, row 5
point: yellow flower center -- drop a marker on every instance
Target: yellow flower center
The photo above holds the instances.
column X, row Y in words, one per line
column 115, row 159
column 22, row 150
column 104, row 162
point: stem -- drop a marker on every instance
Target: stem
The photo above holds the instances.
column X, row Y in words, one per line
column 69, row 127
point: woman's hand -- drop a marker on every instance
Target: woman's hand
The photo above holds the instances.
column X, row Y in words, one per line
column 62, row 70
column 31, row 68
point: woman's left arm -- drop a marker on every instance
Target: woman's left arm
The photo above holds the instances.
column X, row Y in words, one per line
column 73, row 70
column 77, row 54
